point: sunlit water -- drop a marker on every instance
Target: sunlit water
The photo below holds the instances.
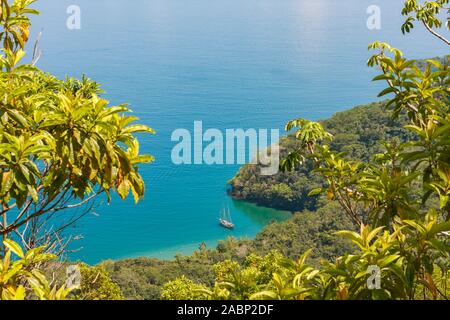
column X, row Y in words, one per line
column 231, row 64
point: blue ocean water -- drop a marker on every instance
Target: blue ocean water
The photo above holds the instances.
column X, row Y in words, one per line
column 229, row 63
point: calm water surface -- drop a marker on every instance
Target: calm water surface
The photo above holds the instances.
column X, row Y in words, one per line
column 229, row 63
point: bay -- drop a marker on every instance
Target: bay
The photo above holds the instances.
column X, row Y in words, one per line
column 229, row 63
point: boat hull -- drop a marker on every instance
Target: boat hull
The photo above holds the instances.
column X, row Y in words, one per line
column 226, row 224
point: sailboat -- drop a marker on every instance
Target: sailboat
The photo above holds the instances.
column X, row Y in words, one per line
column 225, row 219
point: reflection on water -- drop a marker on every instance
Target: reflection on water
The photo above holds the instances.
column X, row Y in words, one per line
column 260, row 215
column 231, row 64
column 244, row 214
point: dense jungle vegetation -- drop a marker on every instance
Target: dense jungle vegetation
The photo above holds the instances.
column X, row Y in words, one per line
column 357, row 132
column 397, row 201
column 143, row 278
column 61, row 146
column 370, row 188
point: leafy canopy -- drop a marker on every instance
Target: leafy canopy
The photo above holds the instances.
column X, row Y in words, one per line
column 61, row 144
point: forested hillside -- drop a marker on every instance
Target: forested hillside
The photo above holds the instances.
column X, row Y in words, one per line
column 142, row 278
column 369, row 189
column 357, row 132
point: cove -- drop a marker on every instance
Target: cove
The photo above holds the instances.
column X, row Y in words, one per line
column 230, row 64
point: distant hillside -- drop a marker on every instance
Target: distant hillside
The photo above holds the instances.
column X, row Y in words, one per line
column 356, row 132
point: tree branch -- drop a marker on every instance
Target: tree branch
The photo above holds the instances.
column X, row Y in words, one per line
column 437, row 35
column 43, row 211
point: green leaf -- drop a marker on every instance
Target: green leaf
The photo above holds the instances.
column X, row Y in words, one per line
column 14, row 247
column 387, row 91
column 17, row 117
column 388, row 260
column 138, row 128
column 315, row 192
column 33, row 192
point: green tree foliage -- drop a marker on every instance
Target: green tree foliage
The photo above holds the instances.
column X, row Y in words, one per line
column 183, row 288
column 61, row 144
column 143, row 278
column 356, row 132
column 306, row 230
column 403, row 235
column 21, row 279
column 96, row 284
column 232, row 280
column 428, row 14
column 407, row 258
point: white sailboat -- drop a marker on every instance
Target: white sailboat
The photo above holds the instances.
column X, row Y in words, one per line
column 225, row 219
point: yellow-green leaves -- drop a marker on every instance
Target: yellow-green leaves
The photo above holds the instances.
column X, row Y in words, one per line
column 61, row 144
column 428, row 13
column 184, row 288
column 14, row 247
column 20, row 279
column 308, row 132
column 15, row 23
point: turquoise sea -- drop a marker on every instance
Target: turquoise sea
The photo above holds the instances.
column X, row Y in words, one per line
column 229, row 63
